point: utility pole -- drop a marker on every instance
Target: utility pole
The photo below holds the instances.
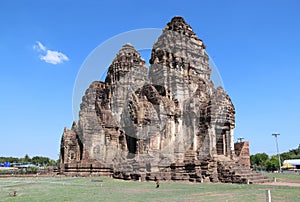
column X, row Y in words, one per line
column 279, row 161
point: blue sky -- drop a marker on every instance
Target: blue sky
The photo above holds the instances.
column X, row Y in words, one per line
column 255, row 45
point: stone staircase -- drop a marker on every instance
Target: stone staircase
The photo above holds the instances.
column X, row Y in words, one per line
column 189, row 156
column 216, row 169
column 234, row 172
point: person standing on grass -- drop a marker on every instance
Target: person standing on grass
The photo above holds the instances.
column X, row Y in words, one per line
column 157, row 183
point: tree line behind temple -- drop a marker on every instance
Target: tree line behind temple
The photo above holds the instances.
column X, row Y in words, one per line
column 38, row 160
column 261, row 161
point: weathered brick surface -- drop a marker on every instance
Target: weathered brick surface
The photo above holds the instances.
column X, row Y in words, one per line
column 242, row 152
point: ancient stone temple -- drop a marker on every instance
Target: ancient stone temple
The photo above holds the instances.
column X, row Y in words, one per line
column 167, row 122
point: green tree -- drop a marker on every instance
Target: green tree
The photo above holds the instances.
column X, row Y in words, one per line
column 26, row 158
column 291, row 154
column 52, row 163
column 272, row 164
column 45, row 161
column 8, row 159
column 258, row 161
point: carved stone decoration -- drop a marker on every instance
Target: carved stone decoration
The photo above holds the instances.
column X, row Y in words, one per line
column 168, row 123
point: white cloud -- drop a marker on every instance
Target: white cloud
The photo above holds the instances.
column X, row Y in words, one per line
column 54, row 57
column 50, row 56
column 39, row 47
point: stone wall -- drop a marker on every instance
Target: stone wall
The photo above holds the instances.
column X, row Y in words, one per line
column 242, row 152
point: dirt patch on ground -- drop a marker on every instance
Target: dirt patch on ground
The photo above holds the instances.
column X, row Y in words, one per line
column 290, row 184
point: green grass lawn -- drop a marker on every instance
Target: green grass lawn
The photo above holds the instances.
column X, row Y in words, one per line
column 285, row 177
column 91, row 189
